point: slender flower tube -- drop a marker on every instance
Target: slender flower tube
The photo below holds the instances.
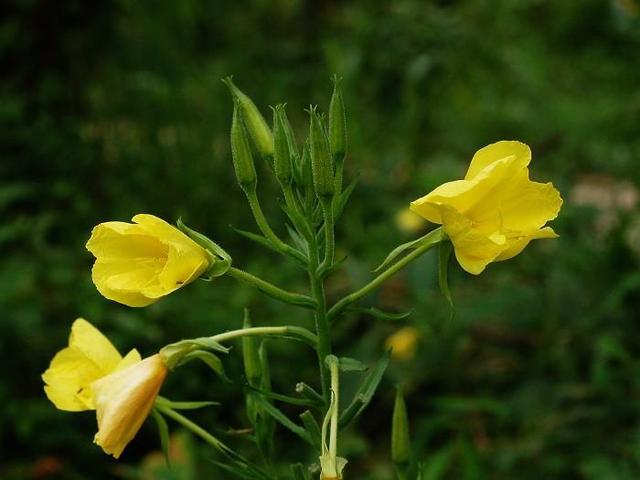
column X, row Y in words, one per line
column 495, row 212
column 138, row 263
column 89, row 357
column 123, row 401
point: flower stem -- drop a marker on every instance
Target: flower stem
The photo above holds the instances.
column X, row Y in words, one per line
column 272, row 290
column 195, row 429
column 389, row 272
column 265, row 228
column 299, row 332
column 321, row 321
column 329, row 236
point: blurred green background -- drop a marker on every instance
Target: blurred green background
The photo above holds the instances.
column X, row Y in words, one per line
column 112, row 108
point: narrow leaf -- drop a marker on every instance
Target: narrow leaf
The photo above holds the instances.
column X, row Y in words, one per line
column 343, row 198
column 352, row 365
column 211, row 360
column 430, row 238
column 298, row 472
column 366, row 391
column 285, row 421
column 163, row 431
column 381, row 314
column 256, row 238
column 444, row 253
column 311, row 425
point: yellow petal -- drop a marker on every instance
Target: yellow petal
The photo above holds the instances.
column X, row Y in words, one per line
column 516, row 245
column 124, row 241
column 164, row 231
column 123, row 401
column 88, row 340
column 473, row 249
column 128, row 282
column 498, row 151
column 183, row 266
column 89, row 356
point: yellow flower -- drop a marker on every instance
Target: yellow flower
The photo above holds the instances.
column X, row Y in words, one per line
column 138, row 263
column 409, row 222
column 123, row 401
column 89, row 357
column 403, row 343
column 496, row 210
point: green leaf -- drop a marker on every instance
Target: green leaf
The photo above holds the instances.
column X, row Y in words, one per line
column 211, row 360
column 311, row 425
column 165, row 402
column 365, row 392
column 298, row 472
column 256, row 238
column 220, row 260
column 163, row 430
column 430, row 238
column 283, row 398
column 352, row 365
column 281, row 418
column 444, row 253
column 436, row 467
column 381, row 314
column 342, row 199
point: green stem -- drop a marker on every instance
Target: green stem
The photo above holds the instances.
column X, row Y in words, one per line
column 266, row 230
column 272, row 290
column 335, row 389
column 292, row 330
column 389, row 272
column 321, row 320
column 329, row 236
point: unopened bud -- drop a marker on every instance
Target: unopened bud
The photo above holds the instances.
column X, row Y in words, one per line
column 241, row 152
column 281, row 152
column 253, row 119
column 400, row 442
column 321, row 160
column 337, row 122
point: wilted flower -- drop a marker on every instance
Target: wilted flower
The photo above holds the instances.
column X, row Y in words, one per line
column 496, row 210
column 138, row 263
column 403, row 343
column 123, row 401
column 89, row 357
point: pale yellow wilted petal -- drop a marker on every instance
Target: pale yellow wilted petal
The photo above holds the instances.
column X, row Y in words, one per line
column 498, row 151
column 123, row 402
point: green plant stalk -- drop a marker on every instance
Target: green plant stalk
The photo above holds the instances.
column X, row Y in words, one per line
column 271, row 289
column 266, row 230
column 292, row 202
column 329, row 235
column 380, row 279
column 321, row 321
column 333, row 428
column 299, row 332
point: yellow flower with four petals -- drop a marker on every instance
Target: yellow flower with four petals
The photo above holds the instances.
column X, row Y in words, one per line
column 496, row 210
column 138, row 263
column 90, row 374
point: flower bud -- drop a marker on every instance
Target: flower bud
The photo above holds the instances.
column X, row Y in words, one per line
column 337, row 122
column 253, row 119
column 400, row 442
column 321, row 161
column 281, row 152
column 241, row 152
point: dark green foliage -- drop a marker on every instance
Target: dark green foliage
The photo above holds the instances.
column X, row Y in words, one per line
column 114, row 108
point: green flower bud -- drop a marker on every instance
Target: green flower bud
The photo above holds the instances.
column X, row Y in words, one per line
column 321, row 160
column 250, row 355
column 337, row 122
column 241, row 152
column 400, row 442
column 253, row 120
column 281, row 153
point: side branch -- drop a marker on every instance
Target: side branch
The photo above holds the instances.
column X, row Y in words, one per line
column 272, row 290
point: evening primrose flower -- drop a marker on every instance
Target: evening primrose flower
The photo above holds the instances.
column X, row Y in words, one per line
column 89, row 357
column 138, row 263
column 403, row 343
column 495, row 212
column 123, row 401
